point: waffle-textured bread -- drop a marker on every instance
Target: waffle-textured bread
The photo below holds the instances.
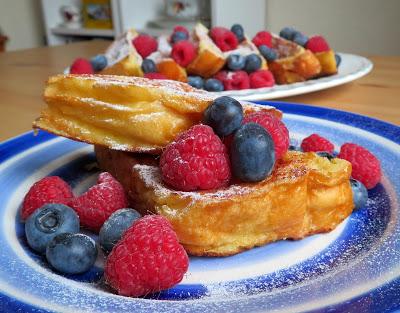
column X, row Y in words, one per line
column 294, row 63
column 306, row 194
column 123, row 113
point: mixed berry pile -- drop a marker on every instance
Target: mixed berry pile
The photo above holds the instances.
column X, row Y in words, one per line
column 143, row 253
column 241, row 70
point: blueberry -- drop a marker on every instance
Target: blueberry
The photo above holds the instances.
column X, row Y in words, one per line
column 252, row 153
column 148, row 66
column 288, row 33
column 253, row 63
column 300, row 39
column 47, row 222
column 99, row 62
column 268, row 53
column 238, row 30
column 295, row 148
column 360, row 193
column 179, row 36
column 235, row 62
column 113, row 229
column 338, row 59
column 327, row 155
column 213, row 84
column 71, row 253
column 196, row 82
column 224, row 115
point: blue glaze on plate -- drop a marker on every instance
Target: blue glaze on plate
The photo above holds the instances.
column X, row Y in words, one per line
column 355, row 268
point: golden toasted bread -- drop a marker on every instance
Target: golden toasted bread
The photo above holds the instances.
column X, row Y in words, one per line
column 327, row 61
column 209, row 59
column 306, row 194
column 172, row 70
column 123, row 113
column 294, row 63
column 123, row 57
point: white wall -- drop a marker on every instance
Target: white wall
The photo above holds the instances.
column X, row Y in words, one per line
column 357, row 26
column 21, row 21
column 249, row 13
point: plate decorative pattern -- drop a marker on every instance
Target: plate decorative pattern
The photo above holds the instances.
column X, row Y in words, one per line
column 355, row 268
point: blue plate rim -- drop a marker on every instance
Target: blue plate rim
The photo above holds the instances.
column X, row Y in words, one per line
column 379, row 127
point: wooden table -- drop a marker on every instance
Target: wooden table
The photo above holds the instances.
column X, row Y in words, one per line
column 23, row 73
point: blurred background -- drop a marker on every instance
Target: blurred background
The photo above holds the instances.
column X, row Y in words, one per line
column 358, row 26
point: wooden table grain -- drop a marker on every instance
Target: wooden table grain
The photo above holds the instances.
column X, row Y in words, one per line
column 23, row 74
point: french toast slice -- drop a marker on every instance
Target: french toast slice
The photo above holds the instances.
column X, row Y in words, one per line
column 305, row 194
column 210, row 59
column 122, row 57
column 172, row 70
column 294, row 63
column 123, row 113
column 328, row 62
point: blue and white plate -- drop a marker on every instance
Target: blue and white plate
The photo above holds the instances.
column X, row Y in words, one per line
column 352, row 67
column 355, row 268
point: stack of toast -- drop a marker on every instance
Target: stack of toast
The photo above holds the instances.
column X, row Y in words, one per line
column 130, row 120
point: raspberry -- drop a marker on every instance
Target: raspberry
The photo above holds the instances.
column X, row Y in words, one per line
column 196, row 160
column 183, row 52
column 180, row 28
column 224, row 38
column 366, row 167
column 315, row 143
column 154, row 76
column 262, row 38
column 261, row 78
column 275, row 127
column 51, row 189
column 221, row 76
column 145, row 45
column 96, row 205
column 233, row 80
column 147, row 259
column 317, row 44
column 81, row 66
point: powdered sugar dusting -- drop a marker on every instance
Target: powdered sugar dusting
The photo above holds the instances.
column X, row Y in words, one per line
column 164, row 46
column 151, row 177
column 245, row 48
column 169, row 86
